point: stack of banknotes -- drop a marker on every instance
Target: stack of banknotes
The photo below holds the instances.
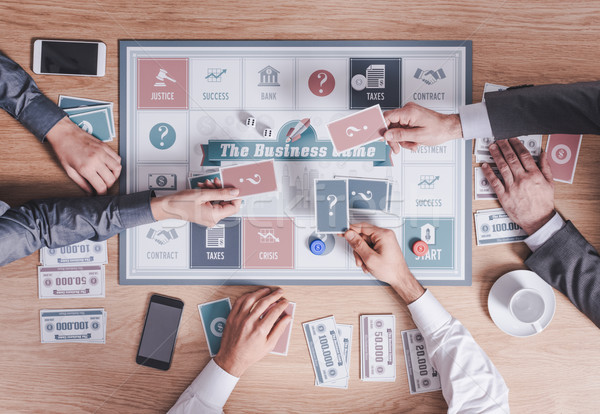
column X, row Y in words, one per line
column 493, row 226
column 422, row 376
column 482, row 154
column 75, row 271
column 378, row 348
column 329, row 348
column 73, row 325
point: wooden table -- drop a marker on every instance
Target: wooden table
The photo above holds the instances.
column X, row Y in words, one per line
column 513, row 43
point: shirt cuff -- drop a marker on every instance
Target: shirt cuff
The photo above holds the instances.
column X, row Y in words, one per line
column 537, row 239
column 428, row 314
column 213, row 385
column 134, row 209
column 40, row 115
column 475, row 121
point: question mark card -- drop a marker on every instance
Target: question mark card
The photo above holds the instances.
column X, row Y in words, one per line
column 357, row 129
column 331, row 206
column 250, row 179
column 368, row 194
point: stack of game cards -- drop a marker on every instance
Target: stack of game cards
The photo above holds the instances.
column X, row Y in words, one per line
column 93, row 116
column 493, row 226
column 75, row 271
column 214, row 316
column 250, row 179
column 329, row 348
column 378, row 348
column 482, row 154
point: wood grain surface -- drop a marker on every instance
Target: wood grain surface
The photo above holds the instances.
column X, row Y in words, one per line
column 514, row 42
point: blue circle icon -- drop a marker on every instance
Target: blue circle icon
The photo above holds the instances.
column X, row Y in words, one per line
column 317, row 247
column 162, row 136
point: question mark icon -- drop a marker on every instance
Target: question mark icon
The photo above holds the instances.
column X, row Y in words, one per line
column 165, row 130
column 332, row 202
column 321, row 82
column 162, row 136
column 352, row 129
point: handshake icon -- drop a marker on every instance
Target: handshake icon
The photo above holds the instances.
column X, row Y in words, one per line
column 430, row 76
column 162, row 237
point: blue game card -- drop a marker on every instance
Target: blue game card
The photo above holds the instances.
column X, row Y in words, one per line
column 331, row 206
column 95, row 123
column 213, row 316
column 73, row 105
column 368, row 194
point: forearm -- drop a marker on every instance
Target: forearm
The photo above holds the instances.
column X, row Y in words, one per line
column 470, row 381
column 571, row 265
column 21, row 98
column 545, row 109
column 60, row 222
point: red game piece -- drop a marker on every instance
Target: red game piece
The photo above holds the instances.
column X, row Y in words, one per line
column 420, row 248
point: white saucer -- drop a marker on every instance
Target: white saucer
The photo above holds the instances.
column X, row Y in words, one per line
column 501, row 293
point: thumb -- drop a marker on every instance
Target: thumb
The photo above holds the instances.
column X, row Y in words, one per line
column 359, row 245
column 403, row 134
column 219, row 194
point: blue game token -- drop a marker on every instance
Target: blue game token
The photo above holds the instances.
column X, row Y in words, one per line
column 317, row 247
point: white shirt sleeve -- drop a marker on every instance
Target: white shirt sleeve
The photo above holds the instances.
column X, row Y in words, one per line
column 475, row 121
column 548, row 230
column 470, row 381
column 208, row 393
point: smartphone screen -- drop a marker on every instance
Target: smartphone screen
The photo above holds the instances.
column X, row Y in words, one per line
column 69, row 58
column 160, row 331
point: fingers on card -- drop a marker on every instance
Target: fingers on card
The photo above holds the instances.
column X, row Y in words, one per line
column 357, row 129
column 251, row 179
column 562, row 151
column 213, row 315
column 369, row 194
column 331, row 205
column 282, row 345
column 198, row 181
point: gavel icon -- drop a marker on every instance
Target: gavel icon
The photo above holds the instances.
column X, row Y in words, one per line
column 162, row 75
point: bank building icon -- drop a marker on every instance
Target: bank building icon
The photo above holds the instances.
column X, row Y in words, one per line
column 269, row 76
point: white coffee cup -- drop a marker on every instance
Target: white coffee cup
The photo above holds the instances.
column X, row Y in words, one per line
column 528, row 306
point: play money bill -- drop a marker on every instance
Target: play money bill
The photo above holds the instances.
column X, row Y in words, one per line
column 73, row 325
column 495, row 227
column 85, row 252
column 345, row 339
column 378, row 348
column 483, row 189
column 71, row 282
column 325, row 351
column 422, row 377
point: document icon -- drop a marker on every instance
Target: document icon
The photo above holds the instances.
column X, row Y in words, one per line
column 376, row 77
column 215, row 237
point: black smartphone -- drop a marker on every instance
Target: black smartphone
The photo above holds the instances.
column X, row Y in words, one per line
column 160, row 331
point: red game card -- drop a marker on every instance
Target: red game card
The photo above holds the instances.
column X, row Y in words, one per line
column 251, row 179
column 281, row 347
column 562, row 151
column 357, row 129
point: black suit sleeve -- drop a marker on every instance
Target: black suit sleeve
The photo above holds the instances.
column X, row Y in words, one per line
column 571, row 265
column 545, row 109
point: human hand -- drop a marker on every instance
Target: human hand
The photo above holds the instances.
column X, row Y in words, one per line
column 197, row 205
column 413, row 125
column 87, row 161
column 527, row 194
column 376, row 250
column 252, row 329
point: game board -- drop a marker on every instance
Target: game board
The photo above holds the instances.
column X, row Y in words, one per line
column 183, row 111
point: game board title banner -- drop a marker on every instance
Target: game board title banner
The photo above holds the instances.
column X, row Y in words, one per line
column 308, row 148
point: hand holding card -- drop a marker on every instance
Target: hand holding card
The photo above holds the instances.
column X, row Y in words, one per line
column 357, row 129
column 251, row 179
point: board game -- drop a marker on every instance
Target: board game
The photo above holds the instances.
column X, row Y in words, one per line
column 191, row 109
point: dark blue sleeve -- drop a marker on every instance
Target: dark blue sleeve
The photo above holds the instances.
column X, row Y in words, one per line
column 63, row 221
column 21, row 98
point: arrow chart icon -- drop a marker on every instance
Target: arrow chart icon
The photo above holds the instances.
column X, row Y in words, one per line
column 428, row 181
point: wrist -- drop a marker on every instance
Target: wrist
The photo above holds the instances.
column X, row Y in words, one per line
column 229, row 365
column 59, row 129
column 538, row 224
column 454, row 127
column 157, row 206
column 408, row 288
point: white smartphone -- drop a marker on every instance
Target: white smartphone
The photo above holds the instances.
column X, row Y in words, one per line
column 69, row 57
